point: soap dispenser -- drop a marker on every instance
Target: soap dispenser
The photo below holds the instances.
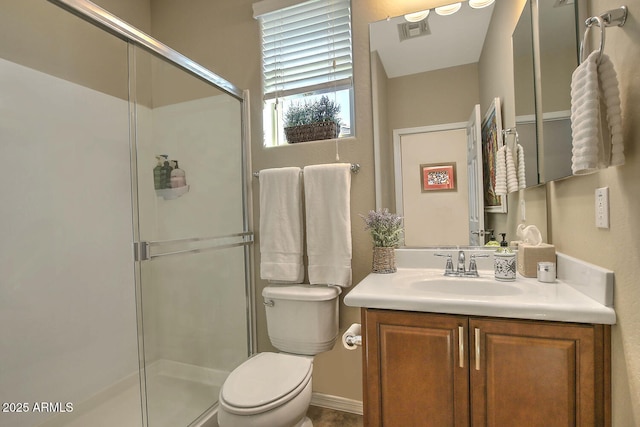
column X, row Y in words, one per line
column 158, row 173
column 178, row 178
column 505, row 261
column 492, row 241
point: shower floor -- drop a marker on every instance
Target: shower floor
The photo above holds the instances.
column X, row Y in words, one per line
column 176, row 395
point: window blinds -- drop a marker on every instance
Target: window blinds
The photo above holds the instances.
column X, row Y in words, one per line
column 307, row 47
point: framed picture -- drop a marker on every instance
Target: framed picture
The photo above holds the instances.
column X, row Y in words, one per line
column 438, row 177
column 491, row 141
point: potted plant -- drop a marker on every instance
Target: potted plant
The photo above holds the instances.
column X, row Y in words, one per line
column 312, row 121
column 386, row 231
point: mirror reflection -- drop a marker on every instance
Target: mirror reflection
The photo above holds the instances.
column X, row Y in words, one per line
column 427, row 78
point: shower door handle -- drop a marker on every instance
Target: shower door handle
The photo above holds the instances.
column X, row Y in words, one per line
column 143, row 250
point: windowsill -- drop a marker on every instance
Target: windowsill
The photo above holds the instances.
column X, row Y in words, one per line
column 320, row 141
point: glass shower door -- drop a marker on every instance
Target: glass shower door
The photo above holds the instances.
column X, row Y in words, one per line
column 192, row 238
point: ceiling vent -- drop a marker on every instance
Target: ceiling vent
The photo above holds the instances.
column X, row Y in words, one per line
column 411, row 30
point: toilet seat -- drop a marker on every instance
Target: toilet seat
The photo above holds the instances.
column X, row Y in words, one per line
column 265, row 381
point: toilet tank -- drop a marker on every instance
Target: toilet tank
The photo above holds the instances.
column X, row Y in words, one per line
column 302, row 319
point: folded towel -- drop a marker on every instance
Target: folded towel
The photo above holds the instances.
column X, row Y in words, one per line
column 501, row 172
column 281, row 225
column 327, row 190
column 522, row 177
column 512, row 177
column 596, row 124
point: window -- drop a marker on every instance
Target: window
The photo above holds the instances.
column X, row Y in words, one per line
column 306, row 54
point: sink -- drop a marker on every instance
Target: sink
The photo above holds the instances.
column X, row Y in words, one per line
column 580, row 294
column 432, row 281
column 476, row 286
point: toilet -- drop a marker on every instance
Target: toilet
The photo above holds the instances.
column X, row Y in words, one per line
column 274, row 389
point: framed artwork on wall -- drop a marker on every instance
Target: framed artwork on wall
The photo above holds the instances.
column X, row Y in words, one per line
column 438, row 177
column 491, row 141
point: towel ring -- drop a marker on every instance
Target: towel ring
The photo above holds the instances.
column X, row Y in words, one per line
column 597, row 20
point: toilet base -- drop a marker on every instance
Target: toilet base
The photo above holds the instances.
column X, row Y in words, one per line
column 306, row 422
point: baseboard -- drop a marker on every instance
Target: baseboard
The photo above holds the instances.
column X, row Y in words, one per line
column 337, row 403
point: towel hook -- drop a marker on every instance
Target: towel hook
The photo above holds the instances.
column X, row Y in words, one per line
column 600, row 23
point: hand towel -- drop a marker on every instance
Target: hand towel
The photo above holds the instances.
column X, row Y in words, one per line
column 512, row 177
column 281, row 225
column 327, row 190
column 585, row 117
column 608, row 80
column 501, row 172
column 522, row 176
column 596, row 120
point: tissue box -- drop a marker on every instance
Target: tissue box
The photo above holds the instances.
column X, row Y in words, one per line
column 529, row 256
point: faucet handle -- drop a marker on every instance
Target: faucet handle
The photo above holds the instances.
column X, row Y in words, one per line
column 448, row 269
column 473, row 267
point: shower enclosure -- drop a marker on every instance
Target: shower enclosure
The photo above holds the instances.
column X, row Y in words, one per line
column 125, row 294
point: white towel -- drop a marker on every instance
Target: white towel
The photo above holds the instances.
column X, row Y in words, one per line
column 608, row 81
column 501, row 172
column 327, row 190
column 281, row 225
column 522, row 176
column 596, row 123
column 512, row 177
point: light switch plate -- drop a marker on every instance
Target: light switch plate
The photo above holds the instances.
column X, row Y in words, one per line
column 602, row 207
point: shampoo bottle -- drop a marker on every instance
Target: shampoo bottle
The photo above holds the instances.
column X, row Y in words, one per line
column 166, row 172
column 505, row 261
column 178, row 178
column 158, row 174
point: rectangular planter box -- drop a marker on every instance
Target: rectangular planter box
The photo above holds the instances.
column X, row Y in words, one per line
column 311, row 132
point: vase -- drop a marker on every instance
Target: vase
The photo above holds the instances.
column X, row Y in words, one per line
column 384, row 260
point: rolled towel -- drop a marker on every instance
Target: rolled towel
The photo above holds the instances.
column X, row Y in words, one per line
column 501, row 172
column 512, row 177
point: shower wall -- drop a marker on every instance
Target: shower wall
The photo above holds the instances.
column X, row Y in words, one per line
column 68, row 305
column 69, row 308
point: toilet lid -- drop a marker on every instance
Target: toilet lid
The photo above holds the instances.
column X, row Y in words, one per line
column 265, row 379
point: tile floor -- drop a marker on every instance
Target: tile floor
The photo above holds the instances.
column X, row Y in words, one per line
column 323, row 417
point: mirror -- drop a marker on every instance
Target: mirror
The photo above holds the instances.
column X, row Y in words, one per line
column 558, row 52
column 434, row 80
column 525, row 93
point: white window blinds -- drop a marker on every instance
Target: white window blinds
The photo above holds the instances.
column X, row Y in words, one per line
column 307, row 47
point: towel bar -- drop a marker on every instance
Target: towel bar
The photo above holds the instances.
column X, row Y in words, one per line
column 614, row 17
column 355, row 168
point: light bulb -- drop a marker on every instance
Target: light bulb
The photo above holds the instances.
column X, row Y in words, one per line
column 416, row 16
column 449, row 9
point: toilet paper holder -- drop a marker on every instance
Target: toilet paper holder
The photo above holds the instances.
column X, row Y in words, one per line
column 352, row 339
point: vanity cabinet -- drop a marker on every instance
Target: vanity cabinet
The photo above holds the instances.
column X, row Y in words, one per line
column 423, row 369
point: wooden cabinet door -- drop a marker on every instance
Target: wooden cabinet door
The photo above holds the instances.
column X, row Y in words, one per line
column 534, row 374
column 416, row 370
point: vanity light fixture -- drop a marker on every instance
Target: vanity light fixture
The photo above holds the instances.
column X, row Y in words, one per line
column 479, row 4
column 416, row 16
column 449, row 9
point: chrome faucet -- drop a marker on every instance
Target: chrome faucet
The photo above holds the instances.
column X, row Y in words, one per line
column 461, row 265
column 461, row 271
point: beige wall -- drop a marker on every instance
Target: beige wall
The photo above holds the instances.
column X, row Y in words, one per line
column 433, row 98
column 571, row 218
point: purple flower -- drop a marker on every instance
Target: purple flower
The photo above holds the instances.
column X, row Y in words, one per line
column 385, row 228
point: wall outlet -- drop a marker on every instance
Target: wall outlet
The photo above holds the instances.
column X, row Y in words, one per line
column 602, row 207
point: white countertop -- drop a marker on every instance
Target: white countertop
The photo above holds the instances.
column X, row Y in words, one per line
column 526, row 298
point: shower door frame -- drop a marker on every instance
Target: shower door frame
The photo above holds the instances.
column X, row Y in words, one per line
column 105, row 20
